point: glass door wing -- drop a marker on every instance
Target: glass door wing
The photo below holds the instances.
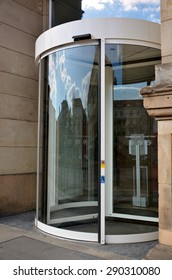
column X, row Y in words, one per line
column 73, row 86
column 131, row 152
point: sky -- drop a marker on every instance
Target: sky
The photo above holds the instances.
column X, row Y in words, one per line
column 141, row 9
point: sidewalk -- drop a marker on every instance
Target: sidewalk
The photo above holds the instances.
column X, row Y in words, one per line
column 20, row 240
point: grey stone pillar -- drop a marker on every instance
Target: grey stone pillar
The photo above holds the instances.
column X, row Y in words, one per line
column 158, row 102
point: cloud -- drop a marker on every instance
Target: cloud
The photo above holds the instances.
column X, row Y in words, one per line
column 96, row 4
column 151, row 9
column 122, row 8
column 85, row 89
column 52, row 77
column 129, row 5
column 72, row 93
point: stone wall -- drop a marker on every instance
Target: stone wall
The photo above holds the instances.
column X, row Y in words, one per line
column 164, row 86
column 21, row 22
column 158, row 102
column 166, row 30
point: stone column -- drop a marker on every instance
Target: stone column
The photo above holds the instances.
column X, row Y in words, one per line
column 158, row 102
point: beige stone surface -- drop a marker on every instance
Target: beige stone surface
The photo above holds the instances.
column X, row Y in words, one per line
column 45, row 15
column 165, row 205
column 166, row 10
column 161, row 101
column 164, row 158
column 165, row 179
column 18, row 86
column 166, row 30
column 17, row 160
column 45, row 22
column 164, row 127
column 14, row 133
column 34, row 5
column 158, row 102
column 17, row 63
column 21, row 22
column 160, row 252
column 18, row 108
column 17, row 40
column 165, row 236
column 20, row 17
column 166, row 38
column 158, row 113
column 18, row 193
column 167, row 59
column 163, row 76
column 45, row 7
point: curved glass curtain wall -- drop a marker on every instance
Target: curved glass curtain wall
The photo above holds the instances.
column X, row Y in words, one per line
column 71, row 128
column 132, row 152
column 69, row 140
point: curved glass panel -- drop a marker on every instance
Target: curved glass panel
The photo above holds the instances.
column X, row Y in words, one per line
column 134, row 192
column 71, row 129
column 69, row 137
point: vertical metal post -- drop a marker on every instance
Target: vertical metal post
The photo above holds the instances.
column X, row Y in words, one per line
column 109, row 139
column 138, row 173
column 38, row 141
column 102, row 149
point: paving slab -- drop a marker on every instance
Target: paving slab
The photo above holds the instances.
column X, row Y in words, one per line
column 21, row 228
column 26, row 248
column 21, row 244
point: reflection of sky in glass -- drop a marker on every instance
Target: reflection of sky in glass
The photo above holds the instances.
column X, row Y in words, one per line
column 128, row 92
column 69, row 76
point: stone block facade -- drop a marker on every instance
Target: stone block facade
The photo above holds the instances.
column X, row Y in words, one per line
column 158, row 102
column 21, row 22
column 166, row 30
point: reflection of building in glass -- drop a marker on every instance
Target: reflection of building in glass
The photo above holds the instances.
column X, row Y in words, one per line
column 130, row 117
column 92, row 127
column 70, row 155
column 74, row 152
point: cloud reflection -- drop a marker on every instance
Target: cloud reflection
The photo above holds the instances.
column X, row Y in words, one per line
column 67, row 86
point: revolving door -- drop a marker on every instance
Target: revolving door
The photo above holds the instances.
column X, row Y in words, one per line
column 97, row 146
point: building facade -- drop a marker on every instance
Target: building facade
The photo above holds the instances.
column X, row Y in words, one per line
column 21, row 24
column 157, row 101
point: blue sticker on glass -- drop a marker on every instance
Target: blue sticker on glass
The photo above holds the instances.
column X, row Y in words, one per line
column 102, row 179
